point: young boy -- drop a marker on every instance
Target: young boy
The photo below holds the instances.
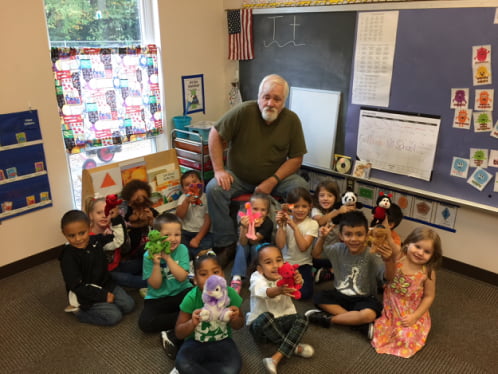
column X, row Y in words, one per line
column 192, row 210
column 94, row 296
column 353, row 302
column 168, row 283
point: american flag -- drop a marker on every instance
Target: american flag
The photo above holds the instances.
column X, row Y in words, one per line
column 240, row 40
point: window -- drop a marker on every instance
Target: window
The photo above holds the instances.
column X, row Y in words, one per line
column 106, row 80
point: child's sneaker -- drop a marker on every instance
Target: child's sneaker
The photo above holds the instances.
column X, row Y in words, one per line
column 71, row 309
column 304, row 350
column 191, row 270
column 318, row 317
column 366, row 329
column 323, row 275
column 170, row 343
column 174, row 371
column 269, row 365
column 236, row 284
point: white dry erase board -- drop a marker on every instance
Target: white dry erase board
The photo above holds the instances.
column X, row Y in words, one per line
column 398, row 143
column 318, row 111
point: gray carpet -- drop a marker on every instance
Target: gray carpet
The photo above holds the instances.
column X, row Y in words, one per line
column 38, row 337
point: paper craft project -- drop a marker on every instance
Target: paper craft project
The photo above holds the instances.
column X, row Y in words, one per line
column 107, row 182
column 494, row 132
column 460, row 167
column 445, row 215
column 459, row 98
column 362, row 169
column 484, row 99
column 422, row 209
column 44, row 196
column 493, row 158
column 478, row 157
column 7, row 206
column 462, row 118
column 479, row 179
column 481, row 65
column 483, row 121
column 404, row 201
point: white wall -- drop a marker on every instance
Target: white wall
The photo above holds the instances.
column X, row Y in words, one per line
column 193, row 36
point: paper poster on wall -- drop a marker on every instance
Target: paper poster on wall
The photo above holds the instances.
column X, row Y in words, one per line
column 403, row 144
column 483, row 121
column 479, row 179
column 484, row 99
column 493, row 158
column 366, row 194
column 459, row 98
column 133, row 170
column 404, row 201
column 445, row 215
column 494, row 132
column 107, row 182
column 373, row 59
column 462, row 119
column 481, row 64
column 478, row 157
column 422, row 209
column 165, row 183
column 460, row 167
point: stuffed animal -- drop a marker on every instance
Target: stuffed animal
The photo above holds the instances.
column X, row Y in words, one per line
column 142, row 213
column 157, row 244
column 377, row 235
column 348, row 198
column 286, row 208
column 287, row 272
column 111, row 201
column 251, row 230
column 216, row 300
column 379, row 211
column 195, row 190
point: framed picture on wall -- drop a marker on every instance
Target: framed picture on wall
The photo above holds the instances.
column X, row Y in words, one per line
column 193, row 94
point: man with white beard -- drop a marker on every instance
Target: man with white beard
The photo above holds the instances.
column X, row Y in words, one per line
column 265, row 150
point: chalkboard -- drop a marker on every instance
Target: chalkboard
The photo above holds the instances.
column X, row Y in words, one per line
column 433, row 55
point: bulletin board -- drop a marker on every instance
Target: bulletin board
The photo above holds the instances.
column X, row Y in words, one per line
column 433, row 55
column 160, row 170
column 24, row 184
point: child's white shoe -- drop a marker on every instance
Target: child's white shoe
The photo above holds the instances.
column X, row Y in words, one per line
column 269, row 365
column 304, row 350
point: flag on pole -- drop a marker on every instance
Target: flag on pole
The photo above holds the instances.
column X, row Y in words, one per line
column 240, row 40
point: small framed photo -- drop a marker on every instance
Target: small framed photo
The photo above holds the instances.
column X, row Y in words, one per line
column 193, row 94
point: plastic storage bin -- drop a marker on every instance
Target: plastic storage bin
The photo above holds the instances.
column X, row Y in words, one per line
column 202, row 128
column 182, row 123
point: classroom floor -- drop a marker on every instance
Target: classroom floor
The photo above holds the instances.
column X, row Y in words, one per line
column 38, row 337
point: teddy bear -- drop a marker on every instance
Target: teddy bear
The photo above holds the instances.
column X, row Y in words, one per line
column 379, row 211
column 377, row 235
column 111, row 201
column 157, row 244
column 287, row 272
column 348, row 198
column 216, row 300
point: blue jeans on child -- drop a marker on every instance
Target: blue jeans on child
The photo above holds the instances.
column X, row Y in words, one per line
column 242, row 255
column 220, row 357
column 219, row 200
column 129, row 274
column 108, row 314
column 206, row 242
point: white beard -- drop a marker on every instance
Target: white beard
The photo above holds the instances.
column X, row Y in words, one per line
column 269, row 114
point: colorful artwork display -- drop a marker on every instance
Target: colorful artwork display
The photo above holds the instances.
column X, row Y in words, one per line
column 107, row 96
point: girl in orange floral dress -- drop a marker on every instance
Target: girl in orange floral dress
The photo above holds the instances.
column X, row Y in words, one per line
column 405, row 322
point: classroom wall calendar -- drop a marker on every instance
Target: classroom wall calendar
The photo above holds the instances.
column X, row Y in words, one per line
column 24, row 185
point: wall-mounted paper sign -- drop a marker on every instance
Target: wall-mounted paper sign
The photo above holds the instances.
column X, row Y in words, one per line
column 479, row 179
column 460, row 167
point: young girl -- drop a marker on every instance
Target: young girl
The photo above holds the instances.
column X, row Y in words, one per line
column 273, row 316
column 127, row 273
column 295, row 235
column 405, row 322
column 208, row 346
column 166, row 276
column 260, row 203
column 326, row 196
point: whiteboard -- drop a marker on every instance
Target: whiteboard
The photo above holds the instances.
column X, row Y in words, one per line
column 318, row 111
column 398, row 143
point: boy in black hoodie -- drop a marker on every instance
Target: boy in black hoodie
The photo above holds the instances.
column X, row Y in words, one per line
column 94, row 296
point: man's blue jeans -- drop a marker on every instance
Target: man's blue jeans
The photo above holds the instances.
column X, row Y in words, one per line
column 219, row 200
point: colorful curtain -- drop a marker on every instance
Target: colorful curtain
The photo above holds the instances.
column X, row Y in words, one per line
column 107, row 96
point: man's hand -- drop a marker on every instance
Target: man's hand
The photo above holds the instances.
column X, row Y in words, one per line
column 224, row 179
column 266, row 186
